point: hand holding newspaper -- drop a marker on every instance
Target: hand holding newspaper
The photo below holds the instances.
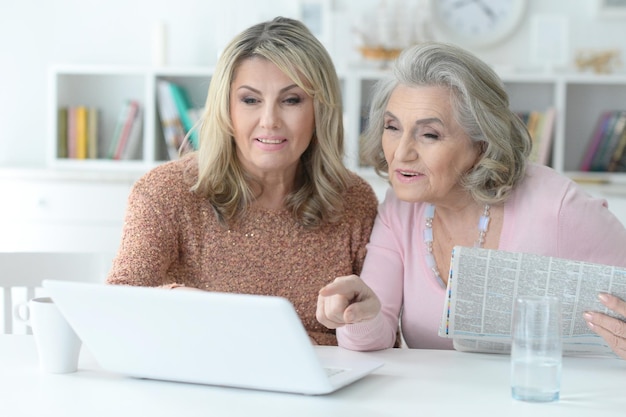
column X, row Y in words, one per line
column 483, row 285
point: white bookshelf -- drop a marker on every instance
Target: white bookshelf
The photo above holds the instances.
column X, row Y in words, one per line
column 578, row 98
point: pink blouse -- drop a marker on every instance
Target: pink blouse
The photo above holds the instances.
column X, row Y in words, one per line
column 547, row 214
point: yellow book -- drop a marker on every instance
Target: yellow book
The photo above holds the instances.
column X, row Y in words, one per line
column 81, row 132
column 534, row 120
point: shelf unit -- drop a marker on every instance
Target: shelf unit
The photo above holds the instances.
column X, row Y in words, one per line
column 578, row 98
column 106, row 88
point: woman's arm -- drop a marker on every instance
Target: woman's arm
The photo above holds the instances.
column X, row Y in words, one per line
column 149, row 238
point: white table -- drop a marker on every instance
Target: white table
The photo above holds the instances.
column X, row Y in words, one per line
column 412, row 383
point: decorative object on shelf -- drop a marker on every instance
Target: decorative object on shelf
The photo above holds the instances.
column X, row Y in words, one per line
column 600, row 62
column 379, row 53
column 549, row 41
column 478, row 23
column 316, row 15
column 392, row 26
column 159, row 44
column 611, row 8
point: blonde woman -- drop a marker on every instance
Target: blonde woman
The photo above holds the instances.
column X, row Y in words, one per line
column 265, row 206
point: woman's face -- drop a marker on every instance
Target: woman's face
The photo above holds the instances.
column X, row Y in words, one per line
column 273, row 119
column 426, row 149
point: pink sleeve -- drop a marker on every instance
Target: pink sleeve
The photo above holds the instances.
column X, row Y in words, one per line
column 383, row 273
column 589, row 231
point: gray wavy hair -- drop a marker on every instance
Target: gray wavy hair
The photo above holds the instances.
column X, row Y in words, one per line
column 481, row 107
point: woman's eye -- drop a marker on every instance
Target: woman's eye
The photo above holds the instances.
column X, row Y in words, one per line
column 389, row 127
column 249, row 100
column 293, row 100
column 431, row 135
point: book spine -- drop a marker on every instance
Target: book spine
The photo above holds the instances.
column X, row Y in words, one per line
column 183, row 107
column 121, row 119
column 127, row 126
column 609, row 142
column 92, row 133
column 618, row 159
column 71, row 132
column 595, row 142
column 81, row 132
column 132, row 149
column 546, row 136
column 62, row 132
column 173, row 132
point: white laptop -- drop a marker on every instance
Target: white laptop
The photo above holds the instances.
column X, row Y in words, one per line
column 246, row 341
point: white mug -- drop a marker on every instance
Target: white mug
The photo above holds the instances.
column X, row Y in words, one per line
column 58, row 346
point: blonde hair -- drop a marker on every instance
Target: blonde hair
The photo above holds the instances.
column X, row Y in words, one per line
column 322, row 177
column 481, row 107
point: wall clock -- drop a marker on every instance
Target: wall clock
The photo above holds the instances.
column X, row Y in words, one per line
column 478, row 23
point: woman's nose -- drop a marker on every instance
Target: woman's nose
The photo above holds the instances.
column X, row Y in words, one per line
column 406, row 150
column 270, row 118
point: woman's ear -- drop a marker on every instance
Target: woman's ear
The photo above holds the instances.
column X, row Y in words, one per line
column 482, row 149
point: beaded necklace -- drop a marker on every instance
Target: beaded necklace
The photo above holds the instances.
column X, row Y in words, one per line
column 483, row 224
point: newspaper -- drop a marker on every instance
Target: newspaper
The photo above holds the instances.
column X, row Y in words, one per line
column 483, row 285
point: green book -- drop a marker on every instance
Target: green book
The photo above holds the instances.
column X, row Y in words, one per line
column 182, row 106
column 62, row 132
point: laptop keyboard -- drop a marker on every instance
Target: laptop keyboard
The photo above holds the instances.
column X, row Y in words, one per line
column 333, row 371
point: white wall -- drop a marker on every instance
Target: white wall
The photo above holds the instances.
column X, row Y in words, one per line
column 37, row 33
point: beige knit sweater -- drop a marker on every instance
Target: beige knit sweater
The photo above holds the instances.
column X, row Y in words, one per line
column 171, row 236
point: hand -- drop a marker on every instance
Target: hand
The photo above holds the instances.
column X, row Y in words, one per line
column 611, row 329
column 346, row 300
column 179, row 287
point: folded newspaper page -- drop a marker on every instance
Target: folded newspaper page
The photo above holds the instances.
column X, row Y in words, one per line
column 483, row 285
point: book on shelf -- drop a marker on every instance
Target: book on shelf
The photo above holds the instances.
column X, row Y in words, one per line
column 546, row 136
column 616, row 143
column 186, row 112
column 92, row 132
column 540, row 126
column 128, row 116
column 132, row 119
column 173, row 131
column 77, row 132
column 81, row 132
column 605, row 146
column 62, row 132
column 72, row 151
column 618, row 159
column 131, row 148
column 596, row 138
column 609, row 142
column 483, row 285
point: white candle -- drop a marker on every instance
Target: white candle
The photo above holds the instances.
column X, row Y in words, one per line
column 159, row 44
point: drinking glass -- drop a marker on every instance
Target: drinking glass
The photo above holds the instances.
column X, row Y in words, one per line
column 536, row 349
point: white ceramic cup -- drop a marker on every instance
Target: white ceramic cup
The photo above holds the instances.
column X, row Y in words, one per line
column 58, row 346
column 536, row 349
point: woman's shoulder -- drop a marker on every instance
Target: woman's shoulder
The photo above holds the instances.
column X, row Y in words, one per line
column 543, row 184
column 360, row 192
column 538, row 173
column 179, row 174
